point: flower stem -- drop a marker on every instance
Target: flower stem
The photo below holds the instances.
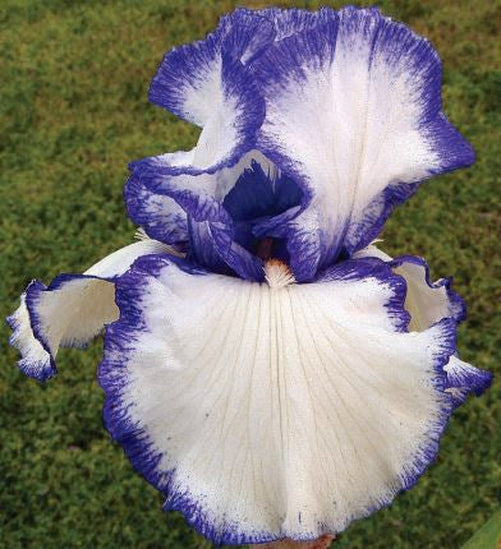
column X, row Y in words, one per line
column 322, row 542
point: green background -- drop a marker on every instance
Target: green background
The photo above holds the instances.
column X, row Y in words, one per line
column 74, row 109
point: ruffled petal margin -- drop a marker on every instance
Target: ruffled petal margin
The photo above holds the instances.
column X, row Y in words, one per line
column 288, row 22
column 353, row 113
column 429, row 302
column 464, row 379
column 266, row 412
column 71, row 311
column 190, row 80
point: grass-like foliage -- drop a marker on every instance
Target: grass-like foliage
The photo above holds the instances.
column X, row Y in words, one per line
column 74, row 112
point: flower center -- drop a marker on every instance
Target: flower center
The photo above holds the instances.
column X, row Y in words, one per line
column 277, row 274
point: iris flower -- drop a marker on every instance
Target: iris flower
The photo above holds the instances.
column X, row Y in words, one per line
column 268, row 369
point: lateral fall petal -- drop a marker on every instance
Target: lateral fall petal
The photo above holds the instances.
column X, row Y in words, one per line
column 71, row 311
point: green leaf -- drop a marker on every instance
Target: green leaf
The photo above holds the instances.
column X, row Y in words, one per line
column 488, row 537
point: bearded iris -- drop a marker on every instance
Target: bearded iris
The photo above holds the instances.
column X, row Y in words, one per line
column 266, row 367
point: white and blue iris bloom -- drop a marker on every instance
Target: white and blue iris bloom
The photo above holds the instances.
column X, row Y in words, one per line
column 266, row 367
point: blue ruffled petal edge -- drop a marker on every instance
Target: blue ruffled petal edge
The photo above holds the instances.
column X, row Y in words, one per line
column 36, row 363
column 457, row 306
column 43, row 367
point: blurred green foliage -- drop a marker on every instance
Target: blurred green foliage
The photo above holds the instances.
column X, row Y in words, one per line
column 74, row 112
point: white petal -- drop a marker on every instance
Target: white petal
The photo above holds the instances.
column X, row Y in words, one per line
column 191, row 80
column 35, row 361
column 268, row 412
column 230, row 114
column 373, row 251
column 71, row 310
column 428, row 302
column 353, row 111
column 118, row 262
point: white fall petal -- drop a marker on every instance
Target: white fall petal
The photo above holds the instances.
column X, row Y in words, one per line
column 265, row 412
column 427, row 303
column 71, row 311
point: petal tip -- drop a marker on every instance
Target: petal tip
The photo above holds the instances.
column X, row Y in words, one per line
column 35, row 361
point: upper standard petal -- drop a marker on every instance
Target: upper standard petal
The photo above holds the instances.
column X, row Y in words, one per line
column 190, row 80
column 353, row 113
column 345, row 104
column 198, row 180
column 159, row 215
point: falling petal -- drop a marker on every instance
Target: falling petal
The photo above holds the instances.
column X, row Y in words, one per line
column 265, row 411
column 71, row 311
column 429, row 302
column 463, row 379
